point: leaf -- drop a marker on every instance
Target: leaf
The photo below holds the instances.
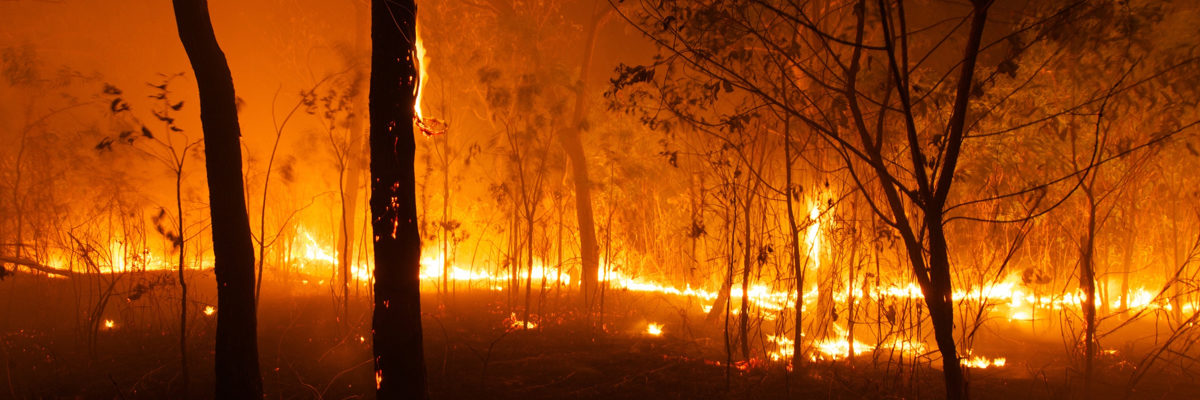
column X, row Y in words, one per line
column 177, row 106
column 105, row 144
column 146, row 132
column 163, row 117
column 118, row 105
column 111, row 90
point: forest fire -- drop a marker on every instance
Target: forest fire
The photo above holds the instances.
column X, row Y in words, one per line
column 600, row 199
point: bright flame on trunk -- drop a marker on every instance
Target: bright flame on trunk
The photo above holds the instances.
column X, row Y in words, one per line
column 812, row 238
column 654, row 329
column 422, row 63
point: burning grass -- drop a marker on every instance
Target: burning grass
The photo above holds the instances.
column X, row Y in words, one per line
column 646, row 345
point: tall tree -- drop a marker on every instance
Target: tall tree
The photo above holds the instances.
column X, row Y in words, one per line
column 915, row 179
column 399, row 356
column 237, row 374
column 573, row 146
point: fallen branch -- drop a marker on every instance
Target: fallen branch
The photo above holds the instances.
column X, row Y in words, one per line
column 34, row 265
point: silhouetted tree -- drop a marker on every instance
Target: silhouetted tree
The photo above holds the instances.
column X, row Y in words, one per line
column 237, row 374
column 396, row 325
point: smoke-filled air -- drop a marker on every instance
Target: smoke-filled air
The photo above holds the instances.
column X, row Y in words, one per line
column 600, row 199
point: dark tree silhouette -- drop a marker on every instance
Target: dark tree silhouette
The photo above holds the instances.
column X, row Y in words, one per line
column 237, row 374
column 396, row 324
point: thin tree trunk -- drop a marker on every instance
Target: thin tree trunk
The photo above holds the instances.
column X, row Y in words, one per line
column 1087, row 283
column 183, row 363
column 396, row 324
column 850, row 299
column 794, row 244
column 1130, row 248
column 743, row 319
column 237, row 374
column 528, row 262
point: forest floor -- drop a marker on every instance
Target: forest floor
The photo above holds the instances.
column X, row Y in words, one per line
column 473, row 351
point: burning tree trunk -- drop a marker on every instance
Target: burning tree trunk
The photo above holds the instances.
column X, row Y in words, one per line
column 237, row 374
column 399, row 356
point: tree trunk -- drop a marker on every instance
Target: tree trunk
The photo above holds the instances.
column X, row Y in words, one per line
column 798, row 268
column 237, row 374
column 1130, row 248
column 744, row 316
column 183, row 289
column 573, row 146
column 354, row 164
column 940, row 302
column 396, row 324
column 1087, row 283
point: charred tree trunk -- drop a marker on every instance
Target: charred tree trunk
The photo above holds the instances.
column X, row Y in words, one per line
column 798, row 268
column 938, row 298
column 1087, row 283
column 396, row 324
column 744, row 317
column 183, row 289
column 237, row 374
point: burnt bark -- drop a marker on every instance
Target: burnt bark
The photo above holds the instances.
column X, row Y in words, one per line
column 396, row 323
column 1087, row 283
column 237, row 373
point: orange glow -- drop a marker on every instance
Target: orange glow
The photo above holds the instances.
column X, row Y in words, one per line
column 982, row 362
column 514, row 323
column 654, row 329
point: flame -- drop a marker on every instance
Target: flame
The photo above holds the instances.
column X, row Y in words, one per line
column 654, row 329
column 812, row 237
column 313, row 251
column 784, row 347
column 837, row 347
column 982, row 362
column 1022, row 305
column 513, row 323
column 431, row 273
column 422, row 64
